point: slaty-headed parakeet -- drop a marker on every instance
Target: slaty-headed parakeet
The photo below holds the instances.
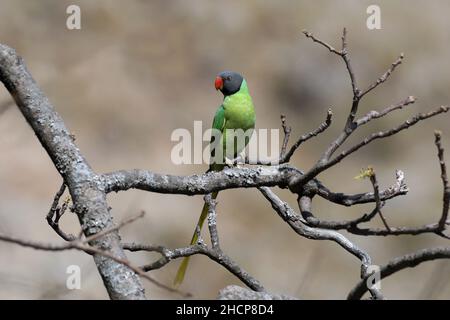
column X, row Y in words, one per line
column 235, row 112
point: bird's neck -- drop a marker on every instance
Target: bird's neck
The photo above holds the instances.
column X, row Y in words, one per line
column 244, row 88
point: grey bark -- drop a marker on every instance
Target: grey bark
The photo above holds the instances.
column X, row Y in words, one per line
column 239, row 293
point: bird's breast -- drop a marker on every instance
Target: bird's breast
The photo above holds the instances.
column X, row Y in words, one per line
column 239, row 112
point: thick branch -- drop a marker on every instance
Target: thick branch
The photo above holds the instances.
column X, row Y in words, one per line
column 200, row 184
column 231, row 178
column 212, row 222
column 238, row 293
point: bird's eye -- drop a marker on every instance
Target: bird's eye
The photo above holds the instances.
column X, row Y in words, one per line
column 228, row 78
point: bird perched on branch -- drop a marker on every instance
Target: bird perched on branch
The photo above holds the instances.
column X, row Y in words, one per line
column 232, row 126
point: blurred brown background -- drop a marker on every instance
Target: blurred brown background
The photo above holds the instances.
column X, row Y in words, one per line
column 137, row 70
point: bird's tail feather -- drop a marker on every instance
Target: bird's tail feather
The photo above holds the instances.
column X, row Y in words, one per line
column 184, row 264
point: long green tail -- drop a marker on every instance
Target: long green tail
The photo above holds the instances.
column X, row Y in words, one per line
column 184, row 264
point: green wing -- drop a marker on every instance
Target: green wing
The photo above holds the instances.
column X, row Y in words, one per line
column 218, row 124
column 219, row 119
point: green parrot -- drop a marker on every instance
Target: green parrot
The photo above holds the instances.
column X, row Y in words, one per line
column 236, row 112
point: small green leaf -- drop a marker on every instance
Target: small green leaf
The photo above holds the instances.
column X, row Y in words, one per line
column 365, row 173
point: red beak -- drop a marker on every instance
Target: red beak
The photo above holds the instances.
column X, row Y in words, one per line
column 218, row 83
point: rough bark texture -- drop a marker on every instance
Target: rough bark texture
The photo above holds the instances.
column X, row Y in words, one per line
column 239, row 293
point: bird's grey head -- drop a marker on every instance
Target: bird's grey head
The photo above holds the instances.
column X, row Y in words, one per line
column 228, row 82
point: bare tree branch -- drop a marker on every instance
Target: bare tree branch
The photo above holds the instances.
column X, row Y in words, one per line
column 82, row 245
column 356, row 91
column 323, row 126
column 212, row 222
column 397, row 189
column 284, row 156
column 378, row 204
column 233, row 292
column 384, row 77
column 84, row 184
column 219, row 257
column 215, row 253
column 446, row 189
column 326, row 45
column 349, row 125
column 323, row 165
column 287, row 134
column 375, row 114
column 56, row 212
column 229, row 178
column 390, row 132
column 399, row 263
column 352, row 226
column 295, row 222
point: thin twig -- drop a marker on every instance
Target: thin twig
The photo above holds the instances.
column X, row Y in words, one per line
column 284, row 156
column 384, row 77
column 322, row 127
column 295, row 222
column 349, row 125
column 373, row 180
column 353, row 227
column 445, row 186
column 287, row 133
column 351, row 224
column 376, row 114
column 356, row 92
column 323, row 165
column 390, row 132
column 82, row 245
column 216, row 255
column 399, row 263
column 137, row 270
column 397, row 189
column 326, row 45
column 55, row 213
column 212, row 222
